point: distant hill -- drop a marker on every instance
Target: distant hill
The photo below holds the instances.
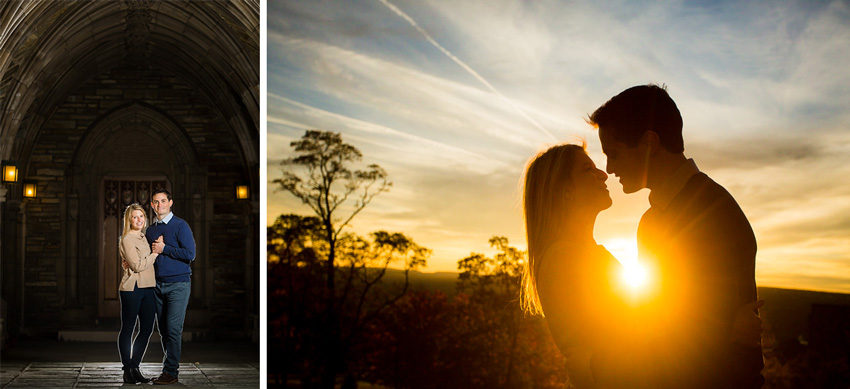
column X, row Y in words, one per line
column 785, row 313
column 419, row 281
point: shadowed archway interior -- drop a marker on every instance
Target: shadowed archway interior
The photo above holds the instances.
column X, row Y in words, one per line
column 100, row 101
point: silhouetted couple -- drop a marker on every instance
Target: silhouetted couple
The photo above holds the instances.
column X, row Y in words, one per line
column 695, row 324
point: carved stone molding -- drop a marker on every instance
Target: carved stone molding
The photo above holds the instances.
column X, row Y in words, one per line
column 138, row 32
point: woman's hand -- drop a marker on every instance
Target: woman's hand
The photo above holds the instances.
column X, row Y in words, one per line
column 125, row 265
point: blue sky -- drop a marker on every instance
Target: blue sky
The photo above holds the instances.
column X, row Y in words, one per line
column 452, row 98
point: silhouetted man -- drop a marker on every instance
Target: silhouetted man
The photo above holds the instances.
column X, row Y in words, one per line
column 695, row 237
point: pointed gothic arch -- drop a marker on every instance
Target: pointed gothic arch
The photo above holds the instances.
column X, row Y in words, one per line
column 136, row 145
column 85, row 89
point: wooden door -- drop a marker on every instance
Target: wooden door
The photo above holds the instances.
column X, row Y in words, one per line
column 116, row 194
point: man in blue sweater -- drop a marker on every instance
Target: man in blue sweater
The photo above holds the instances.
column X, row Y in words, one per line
column 170, row 237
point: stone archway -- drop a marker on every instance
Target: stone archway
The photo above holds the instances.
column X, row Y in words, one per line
column 127, row 152
column 81, row 80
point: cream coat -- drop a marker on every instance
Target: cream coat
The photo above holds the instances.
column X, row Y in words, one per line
column 136, row 251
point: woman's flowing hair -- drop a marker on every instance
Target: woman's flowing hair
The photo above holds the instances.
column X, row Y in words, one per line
column 546, row 184
column 128, row 214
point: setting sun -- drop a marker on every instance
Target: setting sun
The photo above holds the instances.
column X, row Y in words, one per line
column 635, row 275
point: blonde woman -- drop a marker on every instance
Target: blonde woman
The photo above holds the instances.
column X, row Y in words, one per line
column 569, row 278
column 136, row 292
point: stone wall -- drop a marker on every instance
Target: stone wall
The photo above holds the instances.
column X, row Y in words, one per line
column 226, row 221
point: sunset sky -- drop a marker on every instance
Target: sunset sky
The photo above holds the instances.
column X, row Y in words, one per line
column 452, row 98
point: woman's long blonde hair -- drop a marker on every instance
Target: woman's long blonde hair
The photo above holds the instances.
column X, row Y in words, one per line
column 128, row 214
column 547, row 181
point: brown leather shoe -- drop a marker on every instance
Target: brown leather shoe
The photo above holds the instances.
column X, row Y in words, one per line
column 165, row 379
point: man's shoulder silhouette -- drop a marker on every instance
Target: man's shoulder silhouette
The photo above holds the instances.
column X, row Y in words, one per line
column 705, row 203
column 704, row 241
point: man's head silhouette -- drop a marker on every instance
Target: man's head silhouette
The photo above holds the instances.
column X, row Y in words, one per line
column 638, row 128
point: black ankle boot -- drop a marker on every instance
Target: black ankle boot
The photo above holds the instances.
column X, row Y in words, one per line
column 129, row 378
column 139, row 377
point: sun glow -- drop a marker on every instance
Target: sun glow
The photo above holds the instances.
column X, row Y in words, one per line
column 623, row 249
column 635, row 275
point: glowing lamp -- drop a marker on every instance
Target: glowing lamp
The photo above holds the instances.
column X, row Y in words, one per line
column 10, row 172
column 242, row 192
column 30, row 189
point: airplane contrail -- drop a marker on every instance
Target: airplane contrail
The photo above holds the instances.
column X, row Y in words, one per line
column 466, row 67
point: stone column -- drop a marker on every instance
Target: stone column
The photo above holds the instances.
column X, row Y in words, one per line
column 2, row 201
column 72, row 263
column 12, row 282
column 3, row 314
column 23, row 274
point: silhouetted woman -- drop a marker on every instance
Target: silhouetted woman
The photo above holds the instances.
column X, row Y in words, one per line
column 569, row 278
column 137, row 293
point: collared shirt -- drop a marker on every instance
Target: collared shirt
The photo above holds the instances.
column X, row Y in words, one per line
column 166, row 219
column 674, row 184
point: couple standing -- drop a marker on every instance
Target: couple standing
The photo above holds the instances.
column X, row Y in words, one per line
column 156, row 281
column 698, row 326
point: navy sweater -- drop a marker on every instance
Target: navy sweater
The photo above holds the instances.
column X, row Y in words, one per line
column 173, row 264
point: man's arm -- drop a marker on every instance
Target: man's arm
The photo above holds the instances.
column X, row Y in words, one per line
column 731, row 274
column 746, row 330
column 184, row 250
column 722, row 250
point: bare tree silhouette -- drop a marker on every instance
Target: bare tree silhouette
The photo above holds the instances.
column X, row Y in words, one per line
column 322, row 176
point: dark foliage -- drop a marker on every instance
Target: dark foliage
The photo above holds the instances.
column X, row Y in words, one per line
column 297, row 310
column 477, row 339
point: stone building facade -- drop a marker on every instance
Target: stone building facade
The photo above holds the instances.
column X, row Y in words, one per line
column 101, row 102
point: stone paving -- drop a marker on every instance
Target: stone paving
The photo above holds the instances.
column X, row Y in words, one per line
column 106, row 375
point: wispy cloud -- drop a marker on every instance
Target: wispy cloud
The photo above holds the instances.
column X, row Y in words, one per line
column 394, row 95
column 467, row 68
column 424, row 153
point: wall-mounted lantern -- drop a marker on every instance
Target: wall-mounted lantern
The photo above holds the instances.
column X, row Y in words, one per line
column 30, row 189
column 242, row 192
column 10, row 171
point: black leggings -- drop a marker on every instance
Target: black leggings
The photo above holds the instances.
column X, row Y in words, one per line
column 141, row 303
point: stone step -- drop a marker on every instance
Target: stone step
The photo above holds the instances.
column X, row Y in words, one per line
column 112, row 336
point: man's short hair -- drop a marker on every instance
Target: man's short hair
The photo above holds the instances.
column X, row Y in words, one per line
column 633, row 112
column 161, row 190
